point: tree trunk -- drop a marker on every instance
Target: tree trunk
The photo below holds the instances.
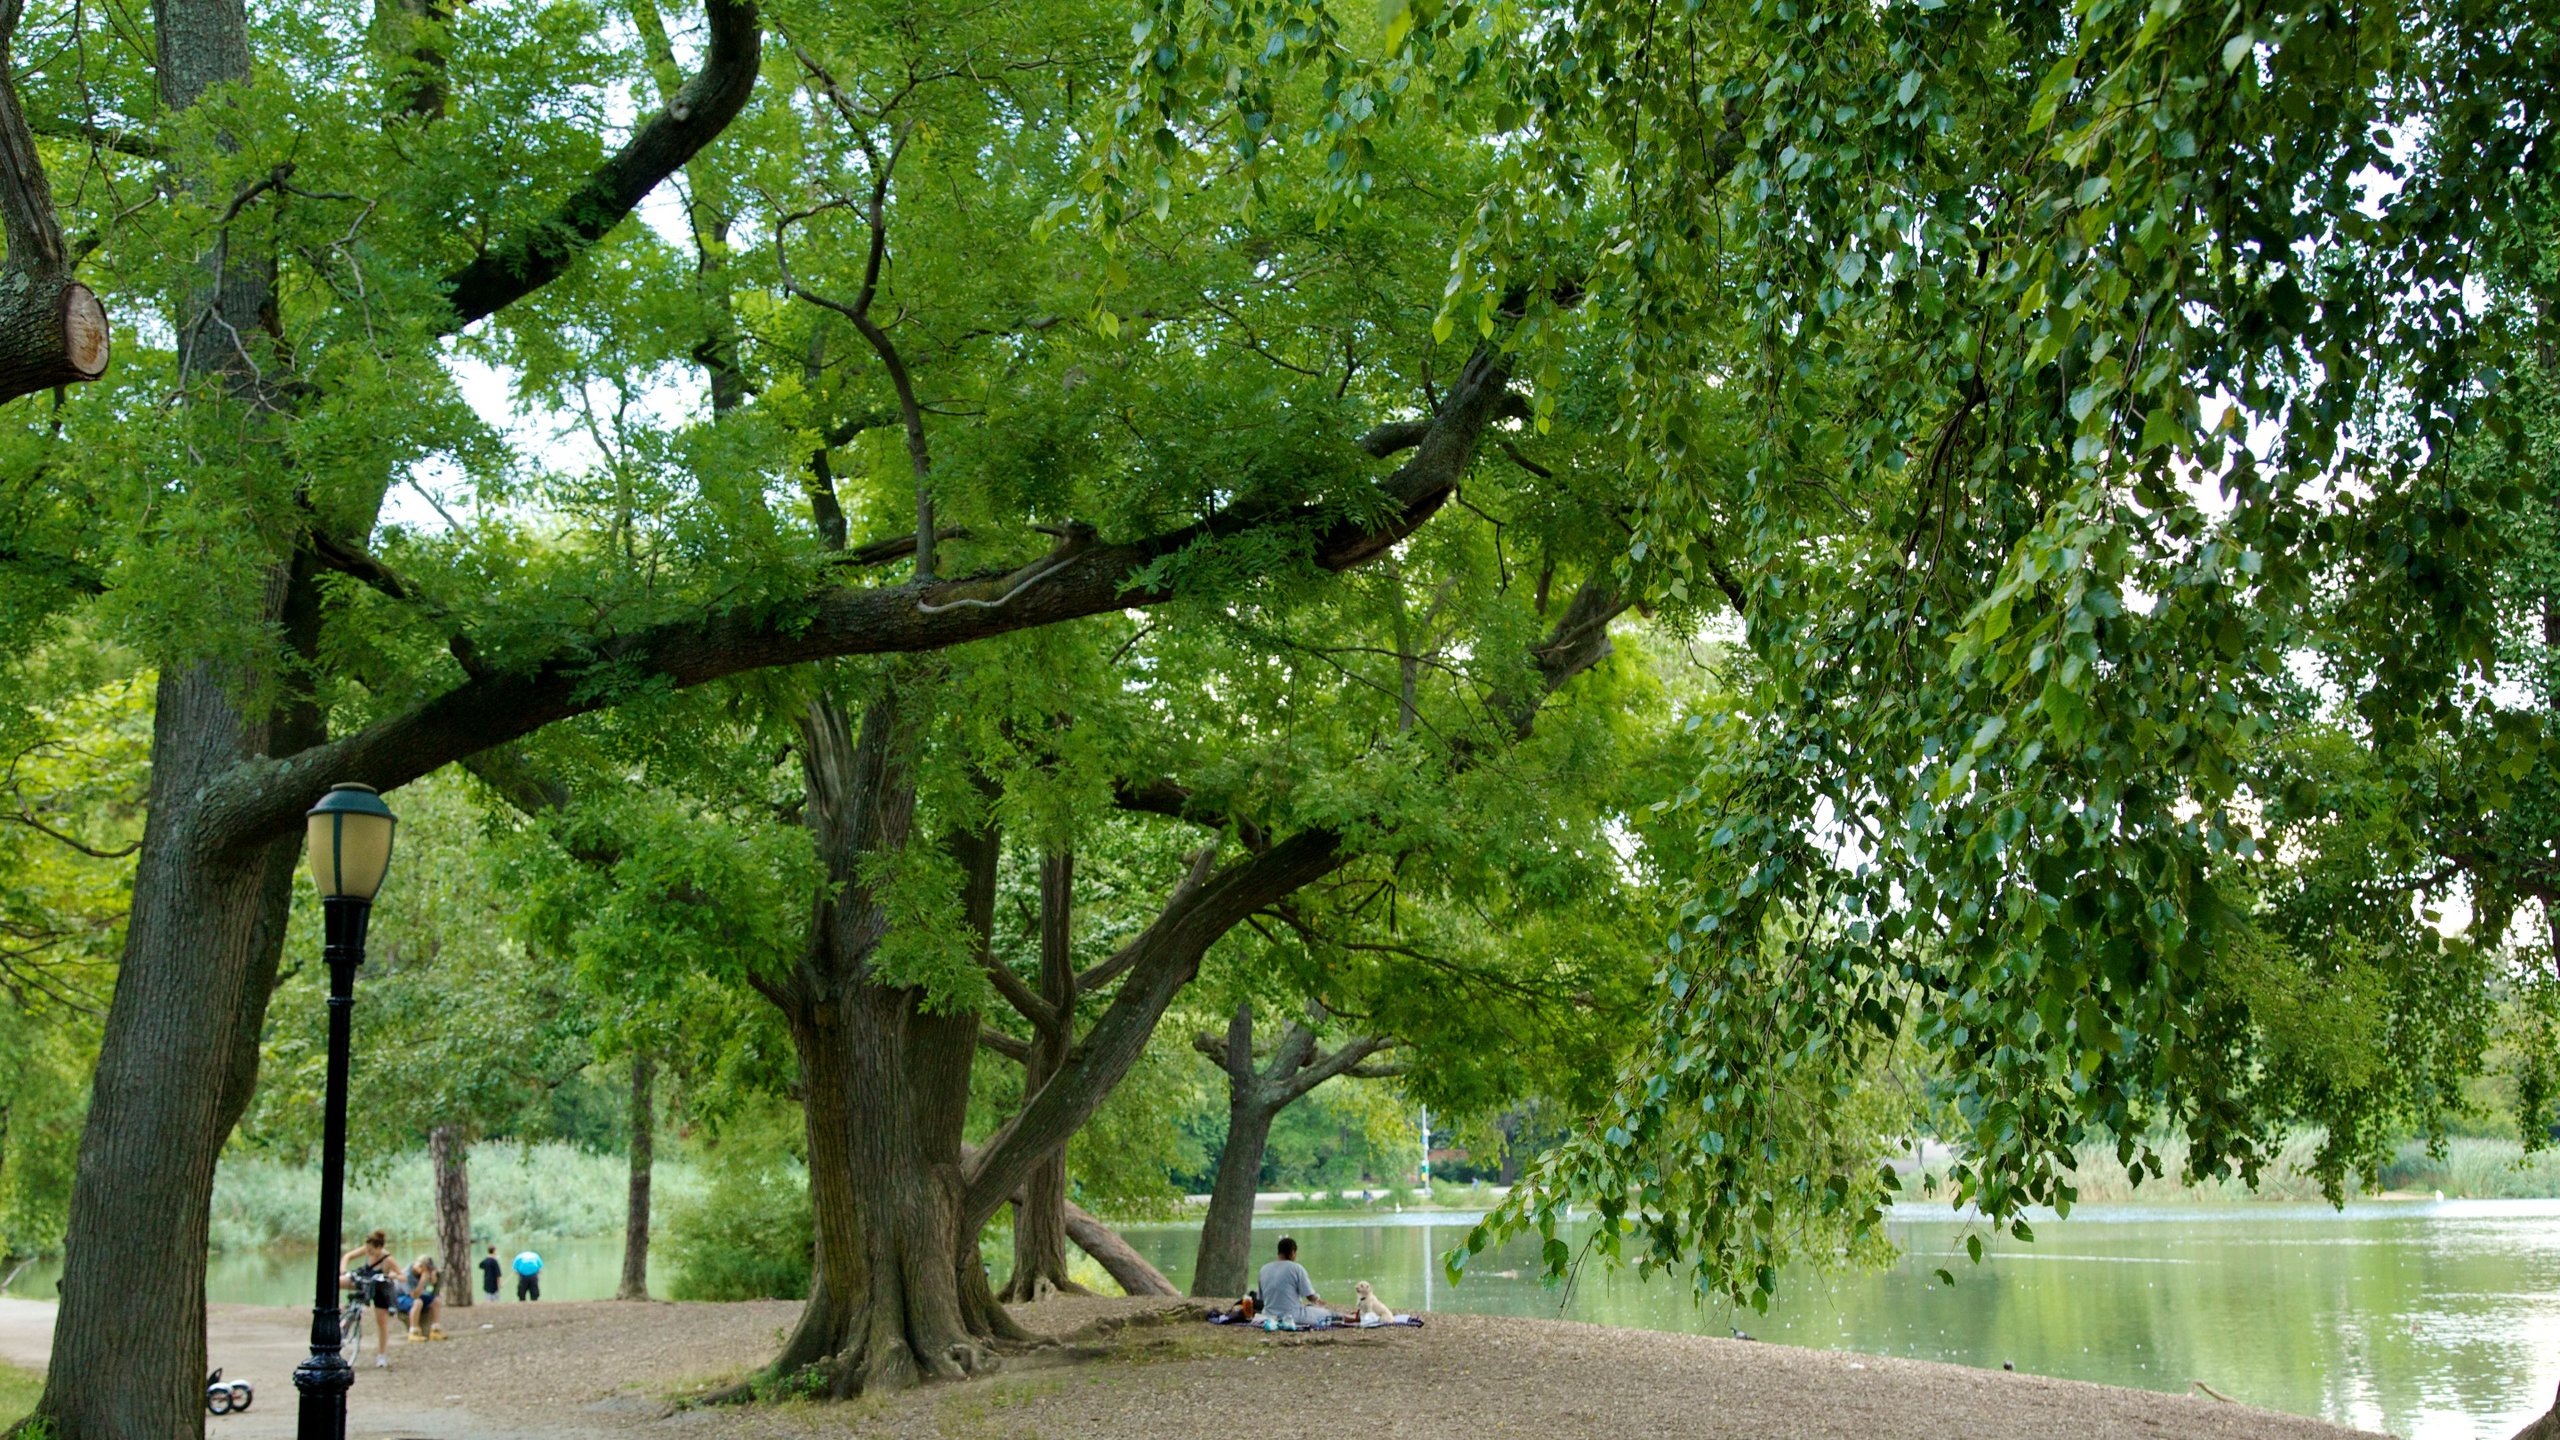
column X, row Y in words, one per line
column 1040, row 1236
column 1126, row 1265
column 635, row 1221
column 191, row 996
column 1254, row 1096
column 1225, row 1259
column 451, row 1155
column 899, row 1294
column 1040, row 1209
column 179, row 1054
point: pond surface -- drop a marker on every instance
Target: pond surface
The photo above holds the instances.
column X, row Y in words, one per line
column 2427, row 1321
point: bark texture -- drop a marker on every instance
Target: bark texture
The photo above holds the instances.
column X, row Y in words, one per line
column 897, row 1297
column 644, row 1148
column 900, row 1294
column 199, row 960
column 1255, row 1096
column 451, row 1156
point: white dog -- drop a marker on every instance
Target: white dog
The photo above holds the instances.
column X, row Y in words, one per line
column 1371, row 1310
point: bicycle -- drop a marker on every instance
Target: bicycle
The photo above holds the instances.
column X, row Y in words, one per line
column 351, row 1314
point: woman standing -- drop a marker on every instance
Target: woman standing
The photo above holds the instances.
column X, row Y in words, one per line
column 367, row 1272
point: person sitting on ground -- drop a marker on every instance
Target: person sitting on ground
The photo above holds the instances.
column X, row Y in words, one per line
column 1288, row 1295
column 426, row 1318
column 366, row 1271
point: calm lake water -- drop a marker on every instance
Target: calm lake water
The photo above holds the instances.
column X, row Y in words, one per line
column 2427, row 1321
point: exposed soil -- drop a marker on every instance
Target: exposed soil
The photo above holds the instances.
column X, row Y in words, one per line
column 572, row 1371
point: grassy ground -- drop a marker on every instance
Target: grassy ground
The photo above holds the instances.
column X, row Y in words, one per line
column 18, row 1391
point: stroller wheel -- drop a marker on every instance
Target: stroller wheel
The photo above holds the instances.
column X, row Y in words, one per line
column 240, row 1396
column 218, row 1401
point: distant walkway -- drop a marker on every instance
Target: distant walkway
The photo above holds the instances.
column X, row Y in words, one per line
column 26, row 1333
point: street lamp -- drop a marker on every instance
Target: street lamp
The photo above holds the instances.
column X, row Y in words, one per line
column 350, row 850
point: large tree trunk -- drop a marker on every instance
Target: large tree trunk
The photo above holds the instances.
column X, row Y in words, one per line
column 1126, row 1266
column 635, row 1218
column 899, row 1294
column 191, row 995
column 451, row 1155
column 1225, row 1257
column 179, row 1055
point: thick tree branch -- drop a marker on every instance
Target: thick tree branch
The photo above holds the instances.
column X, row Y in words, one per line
column 520, row 264
column 123, row 142
column 1345, row 1061
column 260, row 800
column 1115, row 1255
column 1176, row 801
column 1018, row 995
column 1169, row 954
column 1296, row 1046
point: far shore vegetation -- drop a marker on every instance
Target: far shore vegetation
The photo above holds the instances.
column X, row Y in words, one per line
column 736, row 1232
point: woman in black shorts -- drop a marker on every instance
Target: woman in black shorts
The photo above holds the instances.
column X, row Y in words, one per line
column 369, row 1271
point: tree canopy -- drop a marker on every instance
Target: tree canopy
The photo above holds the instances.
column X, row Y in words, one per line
column 998, row 513
column 2114, row 428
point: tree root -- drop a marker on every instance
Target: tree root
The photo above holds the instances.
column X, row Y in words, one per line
column 741, row 1392
column 1110, row 1325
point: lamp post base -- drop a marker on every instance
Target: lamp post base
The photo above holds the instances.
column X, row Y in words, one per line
column 324, row 1381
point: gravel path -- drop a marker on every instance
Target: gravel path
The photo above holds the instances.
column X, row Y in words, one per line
column 605, row 1371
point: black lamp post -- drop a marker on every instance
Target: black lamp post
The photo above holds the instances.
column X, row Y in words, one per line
column 350, row 850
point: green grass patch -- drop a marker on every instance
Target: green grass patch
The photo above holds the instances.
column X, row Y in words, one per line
column 18, row 1392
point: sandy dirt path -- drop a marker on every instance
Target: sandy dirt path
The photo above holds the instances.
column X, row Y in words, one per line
column 604, row 1370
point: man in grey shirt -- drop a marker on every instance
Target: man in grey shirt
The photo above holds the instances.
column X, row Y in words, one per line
column 1287, row 1293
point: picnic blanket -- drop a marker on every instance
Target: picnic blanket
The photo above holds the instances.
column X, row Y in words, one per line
column 1221, row 1317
